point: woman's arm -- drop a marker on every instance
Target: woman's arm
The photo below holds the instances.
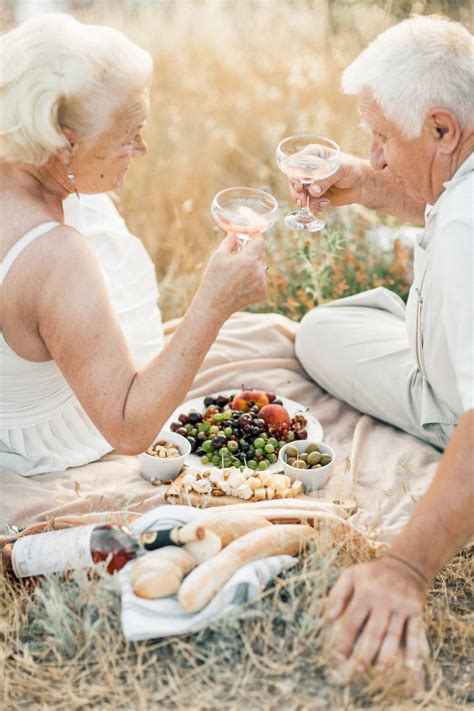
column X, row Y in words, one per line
column 82, row 334
column 381, row 601
column 357, row 182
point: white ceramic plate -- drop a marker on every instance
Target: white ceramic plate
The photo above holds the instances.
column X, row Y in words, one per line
column 313, row 428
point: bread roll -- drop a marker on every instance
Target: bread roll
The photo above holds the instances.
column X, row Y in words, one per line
column 202, row 550
column 207, row 579
column 163, row 579
column 175, row 554
column 230, row 526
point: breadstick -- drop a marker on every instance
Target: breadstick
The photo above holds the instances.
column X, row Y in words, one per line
column 290, row 503
column 231, row 526
column 207, row 579
column 163, row 579
column 176, row 555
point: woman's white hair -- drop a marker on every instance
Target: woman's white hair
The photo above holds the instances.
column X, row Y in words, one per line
column 418, row 65
column 56, row 72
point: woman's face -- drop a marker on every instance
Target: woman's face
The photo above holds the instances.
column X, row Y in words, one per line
column 102, row 166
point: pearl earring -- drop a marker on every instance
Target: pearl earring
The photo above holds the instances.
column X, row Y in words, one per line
column 71, row 177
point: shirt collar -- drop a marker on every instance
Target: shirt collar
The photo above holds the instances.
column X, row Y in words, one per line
column 461, row 173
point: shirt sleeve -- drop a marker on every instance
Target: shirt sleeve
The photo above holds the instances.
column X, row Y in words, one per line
column 457, row 302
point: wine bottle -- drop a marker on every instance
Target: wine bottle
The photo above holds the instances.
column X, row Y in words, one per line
column 84, row 546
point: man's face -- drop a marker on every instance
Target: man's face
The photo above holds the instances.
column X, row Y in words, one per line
column 410, row 160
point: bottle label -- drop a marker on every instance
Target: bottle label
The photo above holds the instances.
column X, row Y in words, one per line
column 53, row 552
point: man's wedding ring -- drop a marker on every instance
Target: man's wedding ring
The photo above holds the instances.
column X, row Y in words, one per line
column 265, row 269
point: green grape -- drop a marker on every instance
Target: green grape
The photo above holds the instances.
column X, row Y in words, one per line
column 252, row 464
column 193, row 432
column 217, row 417
column 291, row 436
column 273, row 441
column 281, row 444
column 258, row 452
column 263, row 465
column 227, row 415
column 272, row 458
column 188, row 427
column 232, row 446
column 259, row 443
column 204, row 460
column 206, row 445
column 213, row 430
column 228, row 431
column 216, row 460
column 223, row 450
column 269, row 448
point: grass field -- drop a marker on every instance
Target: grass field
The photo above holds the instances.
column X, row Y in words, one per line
column 232, row 79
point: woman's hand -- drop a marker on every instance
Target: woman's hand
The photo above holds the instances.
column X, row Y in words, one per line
column 344, row 187
column 235, row 277
column 379, row 604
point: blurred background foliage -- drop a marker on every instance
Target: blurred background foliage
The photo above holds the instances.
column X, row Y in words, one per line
column 232, row 78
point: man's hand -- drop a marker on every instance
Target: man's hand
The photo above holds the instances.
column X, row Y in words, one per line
column 344, row 187
column 379, row 604
column 357, row 181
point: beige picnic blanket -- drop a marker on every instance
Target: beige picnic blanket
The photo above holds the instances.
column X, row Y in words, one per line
column 383, row 469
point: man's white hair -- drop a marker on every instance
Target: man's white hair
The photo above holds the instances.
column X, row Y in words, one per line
column 56, row 72
column 420, row 64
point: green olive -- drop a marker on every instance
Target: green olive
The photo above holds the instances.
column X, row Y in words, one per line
column 312, row 448
column 303, row 457
column 291, row 451
column 291, row 461
column 299, row 464
column 325, row 459
column 316, row 466
column 314, row 458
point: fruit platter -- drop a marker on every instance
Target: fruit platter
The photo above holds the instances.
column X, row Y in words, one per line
column 241, row 429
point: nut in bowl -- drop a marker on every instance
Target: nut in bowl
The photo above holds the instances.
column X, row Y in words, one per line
column 164, row 459
column 307, row 461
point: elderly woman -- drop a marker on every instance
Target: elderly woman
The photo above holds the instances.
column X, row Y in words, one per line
column 73, row 103
column 414, row 367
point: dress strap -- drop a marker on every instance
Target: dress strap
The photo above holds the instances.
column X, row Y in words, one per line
column 21, row 244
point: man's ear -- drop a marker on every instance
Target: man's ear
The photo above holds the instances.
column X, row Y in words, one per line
column 66, row 154
column 444, row 129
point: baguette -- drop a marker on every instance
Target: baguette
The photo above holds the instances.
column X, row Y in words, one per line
column 205, row 581
column 231, row 526
column 161, row 580
column 175, row 554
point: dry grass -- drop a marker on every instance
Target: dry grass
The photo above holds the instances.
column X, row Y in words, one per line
column 65, row 650
column 231, row 80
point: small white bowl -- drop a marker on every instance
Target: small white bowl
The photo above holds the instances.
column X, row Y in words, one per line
column 311, row 478
column 165, row 468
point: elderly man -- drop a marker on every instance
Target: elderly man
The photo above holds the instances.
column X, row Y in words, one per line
column 412, row 368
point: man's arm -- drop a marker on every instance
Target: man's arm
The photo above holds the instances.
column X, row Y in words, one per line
column 357, row 182
column 381, row 602
column 443, row 521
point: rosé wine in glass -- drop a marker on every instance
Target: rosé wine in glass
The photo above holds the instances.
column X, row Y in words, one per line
column 307, row 158
column 244, row 211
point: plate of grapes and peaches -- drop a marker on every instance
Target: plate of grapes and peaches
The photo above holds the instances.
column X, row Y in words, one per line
column 243, row 428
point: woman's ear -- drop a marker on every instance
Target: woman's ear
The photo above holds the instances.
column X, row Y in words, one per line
column 66, row 154
column 444, row 129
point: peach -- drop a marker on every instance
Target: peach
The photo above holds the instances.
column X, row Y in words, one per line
column 247, row 398
column 274, row 415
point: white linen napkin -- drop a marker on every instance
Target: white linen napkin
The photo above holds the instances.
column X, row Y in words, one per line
column 150, row 619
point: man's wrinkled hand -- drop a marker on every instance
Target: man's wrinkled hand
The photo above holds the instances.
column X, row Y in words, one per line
column 379, row 605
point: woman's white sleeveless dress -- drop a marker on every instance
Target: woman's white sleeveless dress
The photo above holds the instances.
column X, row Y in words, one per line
column 43, row 427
